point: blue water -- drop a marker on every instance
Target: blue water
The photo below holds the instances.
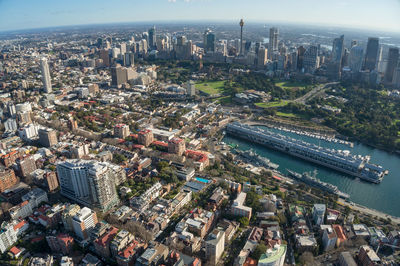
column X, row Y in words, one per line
column 383, row 197
column 203, row 180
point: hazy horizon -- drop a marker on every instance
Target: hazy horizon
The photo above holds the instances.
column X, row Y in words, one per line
column 357, row 14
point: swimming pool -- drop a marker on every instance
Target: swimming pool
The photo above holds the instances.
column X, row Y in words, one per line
column 203, row 180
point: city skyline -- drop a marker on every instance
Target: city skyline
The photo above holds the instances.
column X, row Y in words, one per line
column 42, row 14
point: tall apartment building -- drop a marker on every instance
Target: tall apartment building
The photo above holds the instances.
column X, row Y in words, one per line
column 215, row 245
column 69, row 212
column 51, row 181
column 8, row 236
column 26, row 165
column 47, row 137
column 46, row 78
column 319, row 213
column 121, row 131
column 191, row 88
column 177, row 146
column 7, row 179
column 90, row 183
column 145, row 137
column 83, row 222
column 367, row 256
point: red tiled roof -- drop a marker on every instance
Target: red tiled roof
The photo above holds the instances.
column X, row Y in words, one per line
column 129, row 250
column 107, row 237
column 14, row 250
column 160, row 143
column 20, row 224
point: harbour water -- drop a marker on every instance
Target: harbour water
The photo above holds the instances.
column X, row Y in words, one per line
column 384, row 197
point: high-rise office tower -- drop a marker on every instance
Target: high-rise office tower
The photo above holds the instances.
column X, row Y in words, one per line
column 90, row 183
column 338, row 49
column 241, row 24
column 152, row 38
column 396, row 77
column 371, row 54
column 310, row 60
column 210, row 42
column 356, row 58
column 393, row 60
column 273, row 41
column 300, row 57
column 262, row 57
column 45, row 75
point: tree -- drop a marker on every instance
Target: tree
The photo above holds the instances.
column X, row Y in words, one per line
column 244, row 221
column 118, row 158
column 307, row 258
column 258, row 251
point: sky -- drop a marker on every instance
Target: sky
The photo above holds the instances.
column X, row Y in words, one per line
column 364, row 14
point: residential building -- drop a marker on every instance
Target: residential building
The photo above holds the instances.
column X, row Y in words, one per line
column 120, row 241
column 51, row 181
column 274, row 256
column 367, row 256
column 145, row 137
column 61, row 243
column 191, row 88
column 83, row 222
column 90, row 183
column 214, row 246
column 176, row 146
column 66, row 261
column 69, row 212
column 346, row 259
column 329, row 239
column 7, row 179
column 8, row 236
column 238, row 207
column 47, row 137
column 318, row 213
column 129, row 254
column 35, row 197
column 102, row 243
column 121, row 131
column 20, row 211
column 154, row 255
column 26, row 165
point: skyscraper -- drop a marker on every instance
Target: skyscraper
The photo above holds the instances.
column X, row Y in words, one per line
column 393, row 60
column 89, row 182
column 273, row 41
column 45, row 75
column 371, row 54
column 152, row 38
column 210, row 42
column 356, row 58
column 310, row 60
column 338, row 49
